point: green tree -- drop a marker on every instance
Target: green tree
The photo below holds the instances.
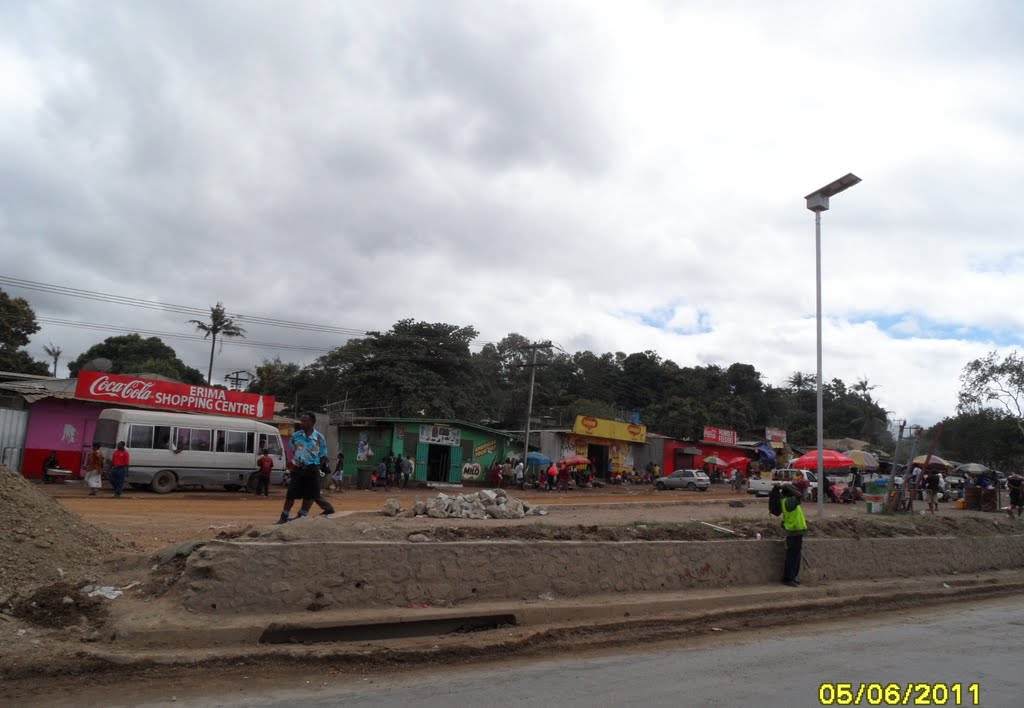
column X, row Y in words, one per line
column 220, row 325
column 678, row 417
column 276, row 378
column 413, row 367
column 133, row 354
column 17, row 325
column 992, row 381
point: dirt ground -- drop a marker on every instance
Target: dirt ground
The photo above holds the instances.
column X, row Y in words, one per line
column 150, row 521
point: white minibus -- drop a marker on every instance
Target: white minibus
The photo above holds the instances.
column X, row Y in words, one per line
column 171, row 450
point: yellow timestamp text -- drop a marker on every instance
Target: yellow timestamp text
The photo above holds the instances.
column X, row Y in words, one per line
column 898, row 694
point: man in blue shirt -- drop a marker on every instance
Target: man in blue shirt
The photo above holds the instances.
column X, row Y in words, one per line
column 309, row 448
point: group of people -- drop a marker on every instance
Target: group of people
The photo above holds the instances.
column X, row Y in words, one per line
column 392, row 471
column 94, row 466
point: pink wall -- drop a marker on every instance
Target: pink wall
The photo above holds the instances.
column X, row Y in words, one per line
column 64, row 426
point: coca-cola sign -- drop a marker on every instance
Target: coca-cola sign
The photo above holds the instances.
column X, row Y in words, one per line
column 169, row 395
column 719, row 435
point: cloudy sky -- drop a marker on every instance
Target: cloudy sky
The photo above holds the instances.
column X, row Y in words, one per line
column 609, row 175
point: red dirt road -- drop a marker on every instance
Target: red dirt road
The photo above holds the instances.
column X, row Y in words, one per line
column 153, row 521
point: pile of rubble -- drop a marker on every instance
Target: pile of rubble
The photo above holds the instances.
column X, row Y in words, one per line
column 42, row 542
column 487, row 504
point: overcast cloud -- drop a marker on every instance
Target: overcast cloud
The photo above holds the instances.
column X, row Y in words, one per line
column 613, row 176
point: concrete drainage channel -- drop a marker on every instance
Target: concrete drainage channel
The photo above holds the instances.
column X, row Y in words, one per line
column 301, row 634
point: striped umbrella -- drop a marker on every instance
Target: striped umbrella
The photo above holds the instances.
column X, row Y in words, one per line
column 863, row 460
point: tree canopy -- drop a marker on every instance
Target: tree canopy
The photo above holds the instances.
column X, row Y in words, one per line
column 429, row 369
column 17, row 325
column 994, row 381
column 131, row 354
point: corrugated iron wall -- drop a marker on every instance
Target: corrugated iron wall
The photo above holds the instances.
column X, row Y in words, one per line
column 13, row 426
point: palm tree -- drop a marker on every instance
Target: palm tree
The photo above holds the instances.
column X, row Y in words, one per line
column 54, row 352
column 801, row 382
column 219, row 325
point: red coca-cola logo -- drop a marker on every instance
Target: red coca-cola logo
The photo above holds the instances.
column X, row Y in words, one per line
column 589, row 423
column 635, row 430
column 137, row 390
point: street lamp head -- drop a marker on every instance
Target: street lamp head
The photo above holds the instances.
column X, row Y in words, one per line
column 818, row 200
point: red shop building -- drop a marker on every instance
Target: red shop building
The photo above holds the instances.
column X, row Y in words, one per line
column 716, row 442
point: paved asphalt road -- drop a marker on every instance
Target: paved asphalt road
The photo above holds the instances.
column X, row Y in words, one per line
column 980, row 643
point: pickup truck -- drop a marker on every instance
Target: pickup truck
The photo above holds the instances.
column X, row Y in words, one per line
column 761, row 486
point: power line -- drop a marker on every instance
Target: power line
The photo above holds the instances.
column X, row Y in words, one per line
column 109, row 298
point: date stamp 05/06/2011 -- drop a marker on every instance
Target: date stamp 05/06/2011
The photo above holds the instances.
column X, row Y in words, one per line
column 899, row 694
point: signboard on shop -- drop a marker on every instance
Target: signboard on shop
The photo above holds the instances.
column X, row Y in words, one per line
column 440, row 435
column 720, row 435
column 116, row 389
column 774, row 435
column 612, row 429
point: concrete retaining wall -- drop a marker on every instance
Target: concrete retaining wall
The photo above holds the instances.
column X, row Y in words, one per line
column 236, row 578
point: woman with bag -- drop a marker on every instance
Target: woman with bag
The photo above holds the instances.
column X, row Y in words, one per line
column 94, row 470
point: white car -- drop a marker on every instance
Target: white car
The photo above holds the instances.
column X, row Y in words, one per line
column 684, row 479
column 762, row 485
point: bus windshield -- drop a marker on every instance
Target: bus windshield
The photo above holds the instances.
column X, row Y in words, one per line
column 106, row 432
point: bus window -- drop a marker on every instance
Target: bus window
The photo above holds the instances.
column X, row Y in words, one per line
column 220, row 441
column 161, row 437
column 200, row 440
column 106, row 432
column 235, row 441
column 250, row 445
column 270, row 443
column 183, row 439
column 140, row 437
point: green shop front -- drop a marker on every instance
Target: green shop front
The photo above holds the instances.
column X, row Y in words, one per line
column 446, row 452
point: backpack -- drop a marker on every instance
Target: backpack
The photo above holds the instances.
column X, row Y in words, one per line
column 775, row 501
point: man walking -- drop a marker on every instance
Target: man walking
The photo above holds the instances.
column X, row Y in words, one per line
column 932, row 484
column 1015, row 483
column 795, row 524
column 119, row 462
column 310, row 451
column 407, row 468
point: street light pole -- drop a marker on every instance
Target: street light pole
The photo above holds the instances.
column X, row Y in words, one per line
column 817, row 202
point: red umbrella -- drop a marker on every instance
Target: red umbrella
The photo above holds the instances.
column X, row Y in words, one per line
column 575, row 460
column 830, row 458
column 738, row 462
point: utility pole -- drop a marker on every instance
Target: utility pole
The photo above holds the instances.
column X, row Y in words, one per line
column 529, row 399
column 237, row 378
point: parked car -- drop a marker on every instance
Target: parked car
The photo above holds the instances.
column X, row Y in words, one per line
column 761, row 486
column 684, row 479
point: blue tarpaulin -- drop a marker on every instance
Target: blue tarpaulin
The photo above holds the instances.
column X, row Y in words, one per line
column 535, row 458
column 766, row 452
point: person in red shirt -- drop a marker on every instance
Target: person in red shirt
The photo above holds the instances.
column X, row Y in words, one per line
column 563, row 478
column 265, row 464
column 119, row 462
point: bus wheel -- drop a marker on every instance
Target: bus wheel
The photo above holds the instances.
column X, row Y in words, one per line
column 164, row 482
column 250, row 485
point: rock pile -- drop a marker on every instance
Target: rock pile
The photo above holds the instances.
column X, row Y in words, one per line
column 486, row 504
column 42, row 542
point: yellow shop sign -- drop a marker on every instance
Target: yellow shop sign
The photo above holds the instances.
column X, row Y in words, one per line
column 611, row 429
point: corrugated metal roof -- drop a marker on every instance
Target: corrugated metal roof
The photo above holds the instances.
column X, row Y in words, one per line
column 33, row 391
